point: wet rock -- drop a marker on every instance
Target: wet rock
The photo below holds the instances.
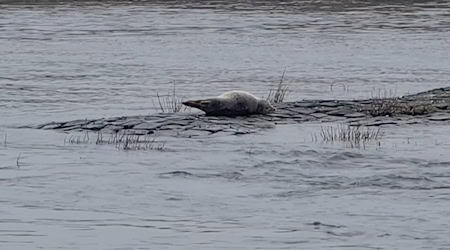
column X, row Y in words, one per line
column 355, row 115
column 242, row 132
column 339, row 112
column 53, row 125
column 318, row 115
column 324, row 110
column 112, row 128
column 115, row 119
column 302, row 111
column 192, row 133
column 305, row 104
column 213, row 131
column 413, row 121
column 146, row 126
column 425, row 107
column 94, row 126
column 129, row 124
column 380, row 123
column 440, row 118
column 442, row 106
column 332, row 104
column 76, row 123
column 139, row 132
column 283, row 116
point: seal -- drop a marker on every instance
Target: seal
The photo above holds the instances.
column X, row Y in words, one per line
column 232, row 103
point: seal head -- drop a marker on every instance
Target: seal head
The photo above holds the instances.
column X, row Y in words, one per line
column 264, row 107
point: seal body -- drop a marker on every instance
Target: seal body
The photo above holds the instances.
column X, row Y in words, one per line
column 233, row 103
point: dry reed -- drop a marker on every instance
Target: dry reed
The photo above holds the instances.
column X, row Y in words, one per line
column 385, row 103
column 170, row 103
column 121, row 141
column 131, row 141
column 18, row 159
column 278, row 95
column 355, row 136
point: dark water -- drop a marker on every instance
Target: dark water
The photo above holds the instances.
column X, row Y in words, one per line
column 277, row 189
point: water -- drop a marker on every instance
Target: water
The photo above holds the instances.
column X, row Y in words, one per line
column 276, row 189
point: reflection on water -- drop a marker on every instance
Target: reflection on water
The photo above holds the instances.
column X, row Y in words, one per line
column 274, row 189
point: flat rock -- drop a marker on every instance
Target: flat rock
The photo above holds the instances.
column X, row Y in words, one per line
column 434, row 104
column 53, row 125
column 319, row 115
column 442, row 106
column 339, row 112
column 75, row 123
column 332, row 104
column 146, row 126
column 380, row 123
column 94, row 126
column 440, row 118
column 355, row 115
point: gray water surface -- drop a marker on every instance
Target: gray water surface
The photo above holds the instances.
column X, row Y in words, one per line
column 275, row 189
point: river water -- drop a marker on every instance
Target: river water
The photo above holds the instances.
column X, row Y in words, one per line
column 277, row 189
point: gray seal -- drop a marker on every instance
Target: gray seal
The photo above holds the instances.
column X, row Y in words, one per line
column 232, row 103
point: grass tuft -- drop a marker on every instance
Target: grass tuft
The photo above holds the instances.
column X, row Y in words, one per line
column 121, row 140
column 278, row 95
column 131, row 141
column 354, row 136
column 170, row 103
column 18, row 159
column 386, row 103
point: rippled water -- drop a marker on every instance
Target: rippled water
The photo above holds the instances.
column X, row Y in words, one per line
column 277, row 189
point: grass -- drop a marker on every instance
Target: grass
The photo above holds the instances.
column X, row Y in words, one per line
column 122, row 141
column 170, row 103
column 355, row 136
column 77, row 139
column 18, row 159
column 395, row 106
column 131, row 141
column 282, row 90
column 385, row 103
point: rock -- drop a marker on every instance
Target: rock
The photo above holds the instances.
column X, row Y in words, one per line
column 112, row 128
column 76, row 123
column 318, row 115
column 94, row 126
column 305, row 104
column 139, row 132
column 324, row 109
column 442, row 106
column 380, row 123
column 440, row 118
column 330, row 104
column 53, row 125
column 355, row 115
column 146, row 126
column 421, row 108
column 283, row 116
column 339, row 112
column 192, row 133
column 129, row 124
